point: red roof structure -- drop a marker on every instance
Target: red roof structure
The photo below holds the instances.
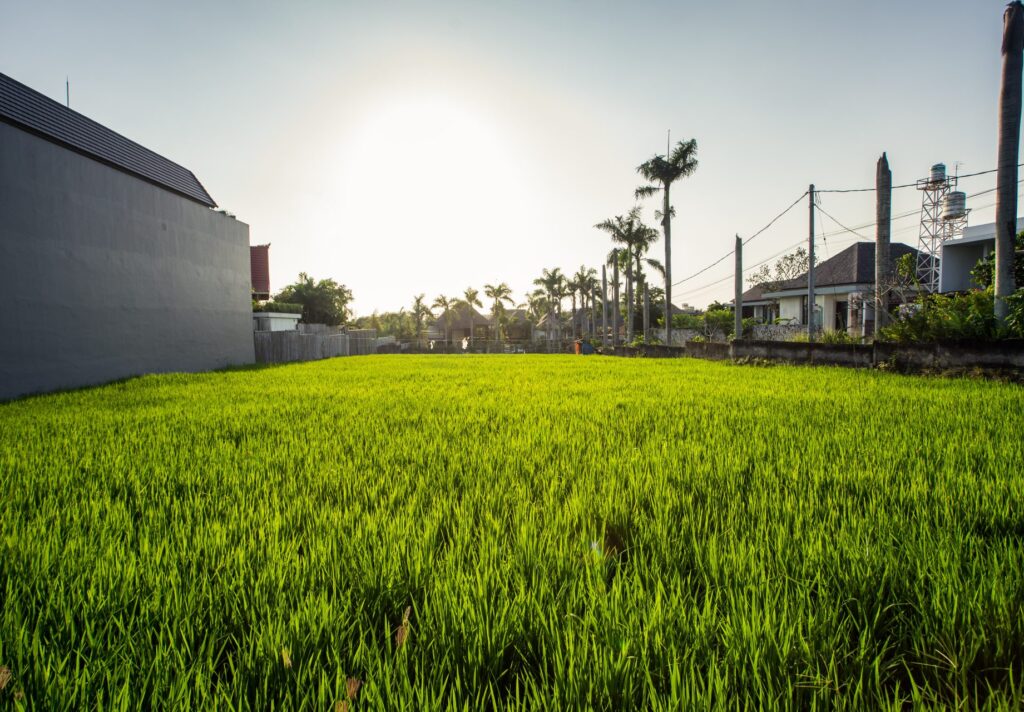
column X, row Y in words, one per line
column 259, row 270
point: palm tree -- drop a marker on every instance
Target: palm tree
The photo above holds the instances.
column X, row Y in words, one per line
column 420, row 313
column 536, row 306
column 445, row 305
column 498, row 294
column 1009, row 146
column 471, row 298
column 661, row 173
column 585, row 280
column 630, row 231
column 553, row 283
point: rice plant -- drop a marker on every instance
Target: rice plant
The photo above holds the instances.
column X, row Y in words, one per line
column 520, row 532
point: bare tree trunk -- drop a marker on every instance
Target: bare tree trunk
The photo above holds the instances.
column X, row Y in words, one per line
column 629, row 297
column 883, row 222
column 667, row 224
column 647, row 316
column 615, row 296
column 604, row 305
column 1009, row 148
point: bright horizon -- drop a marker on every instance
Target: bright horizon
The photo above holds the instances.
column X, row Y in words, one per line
column 404, row 149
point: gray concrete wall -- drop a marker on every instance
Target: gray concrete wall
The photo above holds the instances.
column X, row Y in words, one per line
column 104, row 276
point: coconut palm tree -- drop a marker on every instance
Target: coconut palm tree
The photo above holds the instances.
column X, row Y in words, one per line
column 471, row 298
column 498, row 294
column 630, row 231
column 445, row 304
column 585, row 280
column 1009, row 146
column 661, row 172
column 420, row 313
column 553, row 283
column 536, row 306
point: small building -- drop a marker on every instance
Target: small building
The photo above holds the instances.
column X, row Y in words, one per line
column 459, row 322
column 960, row 256
column 114, row 261
column 844, row 287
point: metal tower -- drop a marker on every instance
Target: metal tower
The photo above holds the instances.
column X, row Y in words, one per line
column 933, row 230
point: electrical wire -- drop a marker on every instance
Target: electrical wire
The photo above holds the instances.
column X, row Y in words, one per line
column 845, row 230
column 906, row 185
column 730, row 252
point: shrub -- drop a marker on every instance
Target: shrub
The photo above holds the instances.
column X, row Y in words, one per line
column 280, row 307
column 941, row 317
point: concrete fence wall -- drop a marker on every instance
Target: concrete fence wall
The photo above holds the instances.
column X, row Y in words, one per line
column 999, row 355
column 775, row 332
column 792, row 352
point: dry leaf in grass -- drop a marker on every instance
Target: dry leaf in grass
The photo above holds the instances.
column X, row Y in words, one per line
column 5, row 677
column 402, row 634
column 352, row 686
column 286, row 658
column 341, row 706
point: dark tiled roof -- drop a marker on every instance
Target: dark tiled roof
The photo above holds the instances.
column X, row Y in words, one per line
column 755, row 294
column 854, row 265
column 28, row 109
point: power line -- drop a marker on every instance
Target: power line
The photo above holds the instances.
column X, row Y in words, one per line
column 705, row 287
column 846, row 229
column 730, row 252
column 907, row 185
column 823, row 235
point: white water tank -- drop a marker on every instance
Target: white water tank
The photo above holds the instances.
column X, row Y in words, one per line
column 954, row 205
column 938, row 173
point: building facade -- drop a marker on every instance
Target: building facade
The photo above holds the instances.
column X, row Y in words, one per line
column 113, row 261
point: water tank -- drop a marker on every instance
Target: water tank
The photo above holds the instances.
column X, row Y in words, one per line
column 938, row 173
column 954, row 205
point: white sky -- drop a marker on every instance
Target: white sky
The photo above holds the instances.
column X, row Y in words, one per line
column 407, row 147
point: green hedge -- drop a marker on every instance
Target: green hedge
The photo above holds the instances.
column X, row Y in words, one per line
column 281, row 307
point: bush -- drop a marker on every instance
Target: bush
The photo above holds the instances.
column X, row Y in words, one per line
column 953, row 317
column 280, row 307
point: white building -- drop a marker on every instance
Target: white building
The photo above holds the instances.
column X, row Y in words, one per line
column 844, row 287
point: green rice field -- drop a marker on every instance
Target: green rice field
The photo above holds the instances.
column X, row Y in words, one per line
column 514, row 532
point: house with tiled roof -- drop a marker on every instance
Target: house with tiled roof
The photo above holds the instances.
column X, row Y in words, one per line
column 844, row 288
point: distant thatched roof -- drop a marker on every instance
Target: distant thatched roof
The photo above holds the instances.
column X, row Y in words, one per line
column 459, row 316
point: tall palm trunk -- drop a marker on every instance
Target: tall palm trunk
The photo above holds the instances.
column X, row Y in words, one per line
column 629, row 296
column 1009, row 148
column 666, row 222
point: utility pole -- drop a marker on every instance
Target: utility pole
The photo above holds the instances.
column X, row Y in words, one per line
column 883, row 226
column 615, row 296
column 647, row 314
column 810, row 265
column 604, row 305
column 738, row 303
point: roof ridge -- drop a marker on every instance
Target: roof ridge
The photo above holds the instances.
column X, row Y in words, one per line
column 31, row 110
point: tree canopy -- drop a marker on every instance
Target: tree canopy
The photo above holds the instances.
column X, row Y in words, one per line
column 323, row 302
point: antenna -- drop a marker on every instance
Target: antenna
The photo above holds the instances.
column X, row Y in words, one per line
column 668, row 144
column 67, row 90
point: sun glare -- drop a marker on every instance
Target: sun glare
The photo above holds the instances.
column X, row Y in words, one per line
column 427, row 162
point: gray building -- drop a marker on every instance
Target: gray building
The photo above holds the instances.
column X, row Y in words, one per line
column 113, row 261
column 961, row 255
